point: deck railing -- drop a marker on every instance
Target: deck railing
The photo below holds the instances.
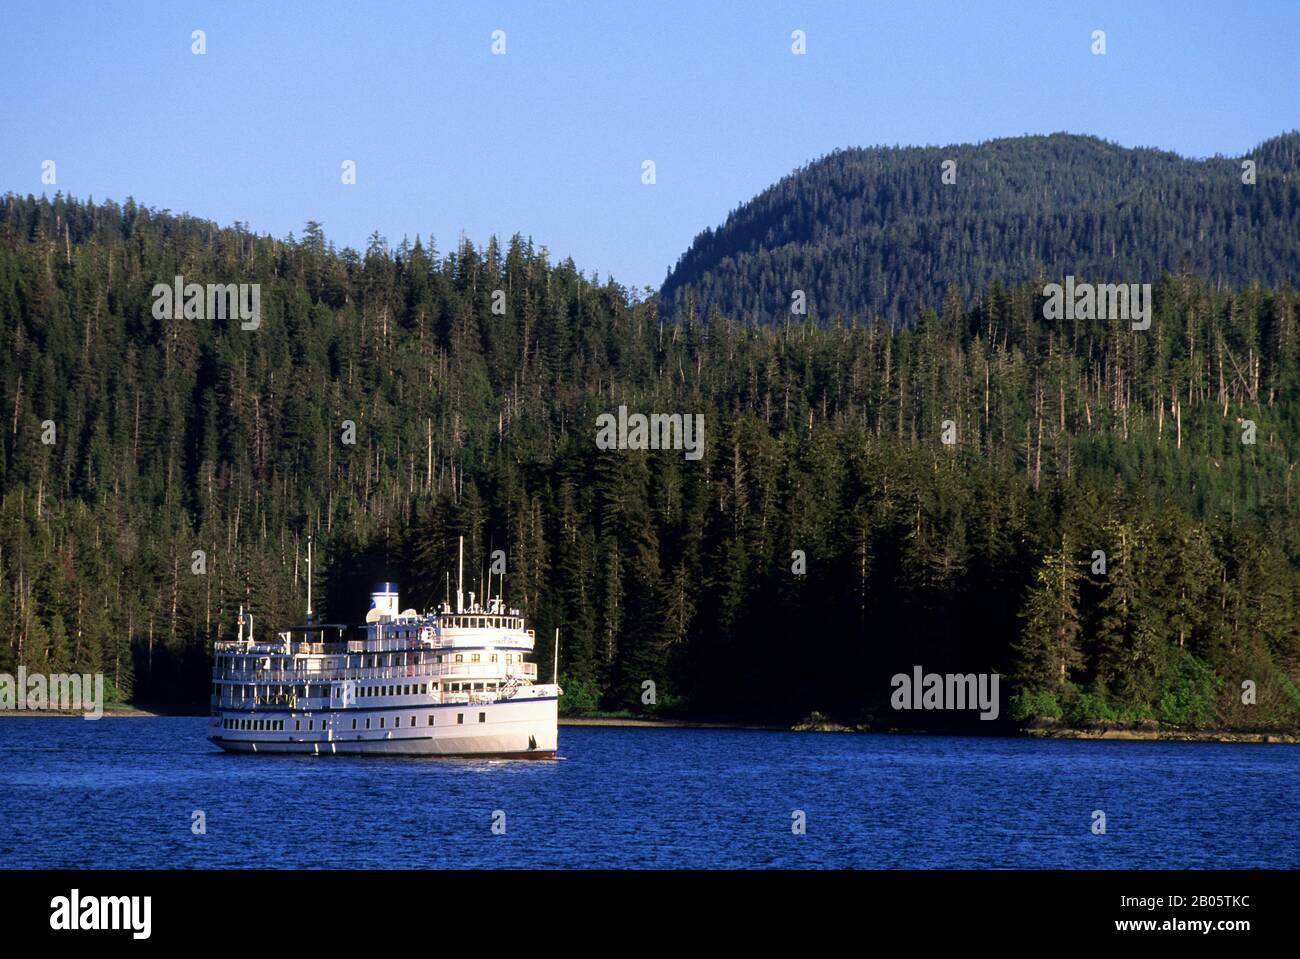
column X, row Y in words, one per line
column 412, row 671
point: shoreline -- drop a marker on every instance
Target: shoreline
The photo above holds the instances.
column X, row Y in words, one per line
column 1110, row 734
column 1166, row 735
column 668, row 723
column 1118, row 734
column 126, row 712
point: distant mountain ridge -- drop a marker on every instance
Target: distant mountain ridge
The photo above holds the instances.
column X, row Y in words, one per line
column 876, row 234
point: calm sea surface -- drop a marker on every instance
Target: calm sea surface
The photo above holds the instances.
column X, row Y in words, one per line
column 121, row 793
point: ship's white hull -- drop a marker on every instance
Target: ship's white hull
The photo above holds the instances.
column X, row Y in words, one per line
column 524, row 728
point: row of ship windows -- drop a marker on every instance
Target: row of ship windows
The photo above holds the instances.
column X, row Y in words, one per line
column 462, row 622
column 370, row 691
column 278, row 725
column 481, row 622
column 367, row 692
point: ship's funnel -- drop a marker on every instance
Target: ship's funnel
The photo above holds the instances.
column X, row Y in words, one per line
column 383, row 600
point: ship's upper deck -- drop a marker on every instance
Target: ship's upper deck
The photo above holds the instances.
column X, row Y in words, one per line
column 475, row 626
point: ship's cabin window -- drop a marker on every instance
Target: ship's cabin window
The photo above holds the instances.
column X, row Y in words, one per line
column 367, row 722
column 430, row 719
column 460, row 719
column 354, row 724
column 509, row 658
column 482, row 717
column 311, row 724
column 460, row 658
column 493, row 658
column 381, row 722
column 412, row 720
column 474, row 658
column 297, row 724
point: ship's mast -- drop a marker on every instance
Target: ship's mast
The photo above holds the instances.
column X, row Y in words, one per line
column 555, row 665
column 309, row 579
column 460, row 574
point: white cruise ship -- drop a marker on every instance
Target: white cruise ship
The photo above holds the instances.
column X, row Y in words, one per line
column 442, row 683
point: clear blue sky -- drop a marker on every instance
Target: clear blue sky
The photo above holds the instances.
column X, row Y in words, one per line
column 548, row 140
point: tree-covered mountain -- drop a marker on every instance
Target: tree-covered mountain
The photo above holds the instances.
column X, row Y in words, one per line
column 474, row 379
column 877, row 234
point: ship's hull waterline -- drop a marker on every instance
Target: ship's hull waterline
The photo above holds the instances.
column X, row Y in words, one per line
column 510, row 730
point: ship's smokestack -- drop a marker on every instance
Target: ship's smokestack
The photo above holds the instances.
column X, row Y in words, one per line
column 383, row 598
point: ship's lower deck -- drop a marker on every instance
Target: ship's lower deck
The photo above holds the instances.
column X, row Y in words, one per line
column 524, row 728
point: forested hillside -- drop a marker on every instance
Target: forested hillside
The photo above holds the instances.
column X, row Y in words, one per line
column 878, row 234
column 1070, row 437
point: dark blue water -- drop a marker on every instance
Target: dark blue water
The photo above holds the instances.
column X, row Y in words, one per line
column 122, row 792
